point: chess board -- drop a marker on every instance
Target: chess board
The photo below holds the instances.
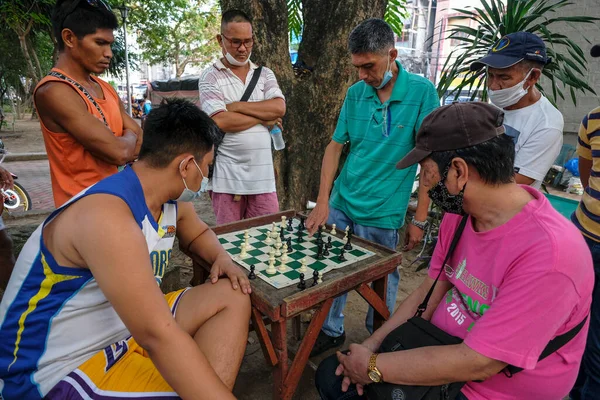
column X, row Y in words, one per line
column 258, row 254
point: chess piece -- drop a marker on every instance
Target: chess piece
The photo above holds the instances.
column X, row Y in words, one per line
column 320, row 280
column 341, row 256
column 325, row 251
column 303, row 266
column 252, row 275
column 243, row 254
column 315, row 278
column 333, row 231
column 246, row 234
column 271, row 268
column 301, row 284
column 348, row 245
column 329, row 245
column 281, row 268
column 301, row 226
column 320, row 252
column 284, row 255
column 319, row 237
column 283, row 221
column 290, row 227
column 289, row 244
column 269, row 240
column 278, row 246
column 282, row 233
column 300, row 238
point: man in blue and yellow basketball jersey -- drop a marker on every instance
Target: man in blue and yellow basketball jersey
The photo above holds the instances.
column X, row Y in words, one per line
column 83, row 316
column 587, row 219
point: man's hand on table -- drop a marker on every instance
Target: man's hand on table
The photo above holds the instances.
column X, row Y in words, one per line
column 317, row 217
column 224, row 266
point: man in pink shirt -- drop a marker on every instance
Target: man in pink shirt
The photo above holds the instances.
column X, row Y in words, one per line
column 520, row 276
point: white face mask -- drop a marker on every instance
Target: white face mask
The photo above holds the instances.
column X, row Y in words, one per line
column 188, row 194
column 507, row 97
column 235, row 62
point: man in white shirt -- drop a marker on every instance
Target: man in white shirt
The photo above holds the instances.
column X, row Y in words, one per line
column 514, row 66
column 243, row 181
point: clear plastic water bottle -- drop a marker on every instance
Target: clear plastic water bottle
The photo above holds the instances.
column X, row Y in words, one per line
column 277, row 137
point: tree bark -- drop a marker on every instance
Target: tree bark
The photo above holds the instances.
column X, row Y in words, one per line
column 313, row 100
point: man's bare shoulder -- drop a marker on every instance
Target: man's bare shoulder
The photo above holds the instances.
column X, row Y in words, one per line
column 56, row 94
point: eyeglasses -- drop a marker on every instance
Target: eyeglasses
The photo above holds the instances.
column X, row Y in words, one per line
column 237, row 43
column 92, row 3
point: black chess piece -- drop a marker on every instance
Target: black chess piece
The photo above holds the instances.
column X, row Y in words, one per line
column 252, row 275
column 290, row 227
column 289, row 244
column 348, row 245
column 301, row 227
column 301, row 284
column 325, row 251
column 300, row 237
column 329, row 245
column 341, row 256
column 320, row 252
column 315, row 278
column 319, row 237
column 282, row 234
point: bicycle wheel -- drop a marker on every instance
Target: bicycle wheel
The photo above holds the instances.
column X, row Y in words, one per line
column 24, row 196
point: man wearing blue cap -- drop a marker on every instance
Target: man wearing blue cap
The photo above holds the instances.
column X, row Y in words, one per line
column 514, row 65
column 587, row 218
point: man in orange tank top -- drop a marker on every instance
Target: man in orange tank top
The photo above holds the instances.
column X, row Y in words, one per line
column 86, row 130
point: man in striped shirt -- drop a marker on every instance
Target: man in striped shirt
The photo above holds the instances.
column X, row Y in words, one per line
column 243, row 182
column 587, row 219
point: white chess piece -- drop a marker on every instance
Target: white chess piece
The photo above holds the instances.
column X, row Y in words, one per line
column 346, row 233
column 284, row 256
column 278, row 246
column 319, row 280
column 268, row 241
column 243, row 254
column 333, row 231
column 303, row 267
column 283, row 221
column 246, row 234
column 282, row 267
column 271, row 268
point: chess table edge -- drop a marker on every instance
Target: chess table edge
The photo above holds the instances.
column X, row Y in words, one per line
column 307, row 299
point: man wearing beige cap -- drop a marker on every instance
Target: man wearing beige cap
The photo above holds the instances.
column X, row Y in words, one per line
column 519, row 276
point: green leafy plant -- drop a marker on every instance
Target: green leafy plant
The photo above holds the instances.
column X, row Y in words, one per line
column 395, row 14
column 494, row 20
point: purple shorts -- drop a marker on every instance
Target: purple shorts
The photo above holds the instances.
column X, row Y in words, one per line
column 229, row 209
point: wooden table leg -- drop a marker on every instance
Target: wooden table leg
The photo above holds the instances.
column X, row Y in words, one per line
column 374, row 301
column 299, row 363
column 380, row 287
column 263, row 337
column 278, row 330
column 297, row 328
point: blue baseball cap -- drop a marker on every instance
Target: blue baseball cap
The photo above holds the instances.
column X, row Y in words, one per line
column 513, row 48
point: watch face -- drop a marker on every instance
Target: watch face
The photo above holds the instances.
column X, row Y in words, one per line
column 374, row 376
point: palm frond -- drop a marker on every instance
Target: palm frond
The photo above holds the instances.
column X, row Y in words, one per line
column 395, row 13
column 295, row 23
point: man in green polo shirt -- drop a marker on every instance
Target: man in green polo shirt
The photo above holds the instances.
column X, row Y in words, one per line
column 379, row 119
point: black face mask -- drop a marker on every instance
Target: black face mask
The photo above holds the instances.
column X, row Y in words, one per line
column 443, row 199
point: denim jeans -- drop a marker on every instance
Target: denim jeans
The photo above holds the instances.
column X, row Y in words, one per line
column 587, row 386
column 329, row 385
column 334, row 323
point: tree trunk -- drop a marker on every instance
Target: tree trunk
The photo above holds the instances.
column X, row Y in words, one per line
column 313, row 100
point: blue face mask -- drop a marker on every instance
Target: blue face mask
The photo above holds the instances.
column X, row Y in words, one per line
column 387, row 77
column 189, row 195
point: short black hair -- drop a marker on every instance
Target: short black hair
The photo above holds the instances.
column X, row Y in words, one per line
column 234, row 16
column 494, row 159
column 82, row 21
column 373, row 35
column 175, row 127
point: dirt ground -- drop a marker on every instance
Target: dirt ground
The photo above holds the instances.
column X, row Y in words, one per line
column 26, row 137
column 254, row 380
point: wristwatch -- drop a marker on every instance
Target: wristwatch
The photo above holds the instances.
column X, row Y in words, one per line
column 419, row 224
column 374, row 373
